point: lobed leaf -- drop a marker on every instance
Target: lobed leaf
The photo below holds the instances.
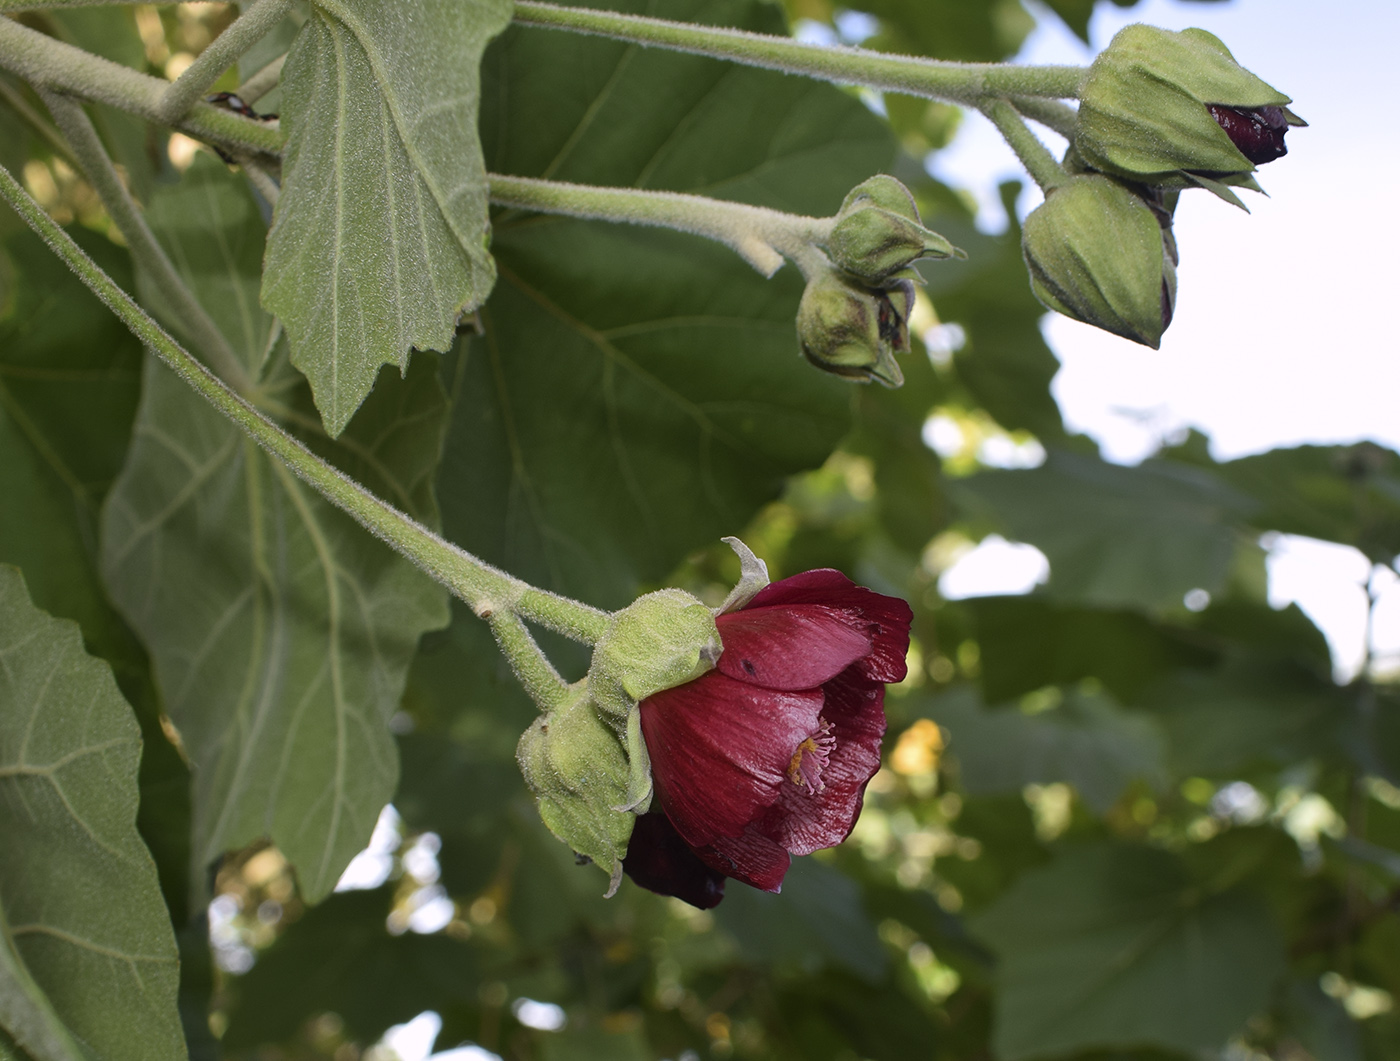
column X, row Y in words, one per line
column 88, row 965
column 379, row 240
column 280, row 631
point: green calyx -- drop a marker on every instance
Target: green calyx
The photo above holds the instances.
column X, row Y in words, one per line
column 878, row 232
column 1099, row 253
column 581, row 776
column 851, row 329
column 659, row 641
column 1143, row 108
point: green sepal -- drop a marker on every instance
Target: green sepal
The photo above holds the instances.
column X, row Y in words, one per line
column 582, row 779
column 883, row 191
column 659, row 641
column 878, row 231
column 1096, row 252
column 1142, row 109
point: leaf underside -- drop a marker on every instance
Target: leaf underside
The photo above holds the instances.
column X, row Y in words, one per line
column 379, row 241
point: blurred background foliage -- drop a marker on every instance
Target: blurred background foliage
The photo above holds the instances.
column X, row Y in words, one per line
column 1129, row 816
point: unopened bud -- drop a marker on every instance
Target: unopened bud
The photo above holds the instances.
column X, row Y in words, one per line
column 1151, row 110
column 659, row 641
column 575, row 765
column 1098, row 253
column 853, row 330
column 879, row 232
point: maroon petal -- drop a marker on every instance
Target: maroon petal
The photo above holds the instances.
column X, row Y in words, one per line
column 720, row 750
column 803, row 821
column 752, row 858
column 888, row 617
column 796, row 646
column 660, row 861
column 1256, row 131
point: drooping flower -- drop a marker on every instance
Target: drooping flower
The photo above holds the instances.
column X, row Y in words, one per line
column 768, row 755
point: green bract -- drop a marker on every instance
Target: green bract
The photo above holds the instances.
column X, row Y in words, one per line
column 1096, row 252
column 577, row 768
column 1142, row 110
column 879, row 231
column 659, row 641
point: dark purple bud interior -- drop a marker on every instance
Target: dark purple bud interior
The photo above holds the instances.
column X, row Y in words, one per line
column 1257, row 132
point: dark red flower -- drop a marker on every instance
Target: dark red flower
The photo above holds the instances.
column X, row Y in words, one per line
column 1256, row 131
column 768, row 755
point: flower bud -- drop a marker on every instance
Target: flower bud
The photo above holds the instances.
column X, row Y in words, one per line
column 1097, row 252
column 879, row 232
column 576, row 767
column 659, row 641
column 1150, row 110
column 853, row 330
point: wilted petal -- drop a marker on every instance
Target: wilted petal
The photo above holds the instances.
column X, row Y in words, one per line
column 660, row 861
column 752, row 858
column 888, row 617
column 720, row 750
column 790, row 647
column 803, row 821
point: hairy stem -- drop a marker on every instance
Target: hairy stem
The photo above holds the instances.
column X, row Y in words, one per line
column 966, row 83
column 250, row 27
column 263, row 82
column 48, row 63
column 476, row 582
column 1034, row 155
column 1050, row 113
column 149, row 255
column 762, row 237
column 529, row 663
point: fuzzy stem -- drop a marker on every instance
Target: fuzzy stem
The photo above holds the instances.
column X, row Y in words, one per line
column 476, row 582
column 48, row 63
column 260, row 179
column 762, row 237
column 1050, row 113
column 250, row 27
column 966, row 83
column 531, row 666
column 263, row 82
column 1034, row 155
column 149, row 255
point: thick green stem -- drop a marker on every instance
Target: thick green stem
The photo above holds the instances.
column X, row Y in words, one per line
column 150, row 256
column 531, row 666
column 48, row 63
column 250, row 27
column 1035, row 156
column 762, row 237
column 476, row 582
column 966, row 83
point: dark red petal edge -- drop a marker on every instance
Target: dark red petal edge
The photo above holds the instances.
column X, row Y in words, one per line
column 660, row 861
column 751, row 858
column 791, row 646
column 803, row 822
column 889, row 617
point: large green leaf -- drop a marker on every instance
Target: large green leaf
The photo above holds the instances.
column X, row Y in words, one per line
column 639, row 393
column 1118, row 946
column 1115, row 536
column 379, row 241
column 1085, row 740
column 280, row 631
column 88, row 964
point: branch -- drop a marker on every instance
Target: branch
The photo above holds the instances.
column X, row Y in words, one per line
column 476, row 582
column 150, row 256
column 48, row 63
column 1034, row 155
column 263, row 82
column 966, row 83
column 250, row 27
column 762, row 237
